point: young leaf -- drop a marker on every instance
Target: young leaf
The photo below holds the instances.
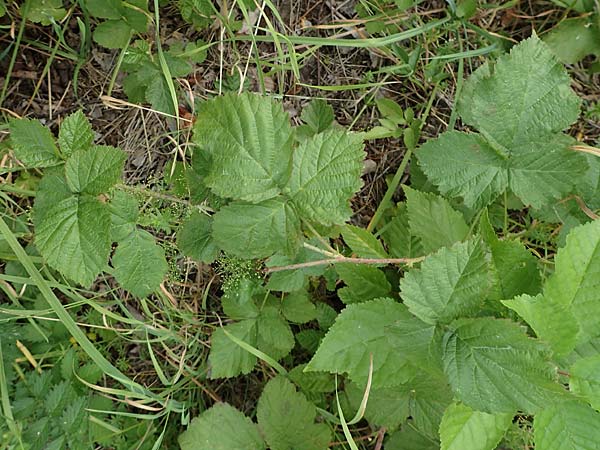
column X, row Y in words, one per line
column 362, row 242
column 33, row 143
column 297, row 307
column 75, row 134
column 221, row 427
column 96, row 170
column 465, row 429
column 256, row 231
column 363, row 282
column 570, row 425
column 494, row 367
column 286, row 419
column 195, row 240
column 451, row 283
column 325, row 174
column 139, row 263
column 74, row 238
column 382, row 328
column 433, row 220
column 249, row 140
column 585, row 379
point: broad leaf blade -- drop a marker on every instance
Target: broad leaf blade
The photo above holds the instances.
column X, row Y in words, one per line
column 249, row 140
column 286, row 418
column 494, row 367
column 139, row 263
column 75, row 134
column 570, row 425
column 227, row 359
column 451, row 283
column 463, row 428
column 74, row 238
column 585, row 379
column 195, row 240
column 256, row 230
column 325, row 175
column 33, row 143
column 96, row 170
column 221, row 427
column 362, row 242
column 363, row 282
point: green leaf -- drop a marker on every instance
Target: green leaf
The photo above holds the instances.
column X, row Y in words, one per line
column 195, row 240
column 275, row 338
column 158, row 94
column 256, row 231
column 297, row 307
column 465, row 429
column 386, row 407
column 362, row 242
column 567, row 426
column 105, row 9
column 96, row 170
column 33, row 143
column 293, row 280
column 553, row 323
column 311, row 381
column 112, row 34
column 451, row 283
column 409, row 439
column 383, row 328
column 139, row 263
column 226, row 358
column 433, row 220
column 325, row 175
column 124, row 213
column 286, row 419
column 430, row 397
column 363, row 282
column 75, row 134
column 398, row 238
column 74, row 238
column 318, row 115
column 573, row 39
column 585, row 379
column 221, row 427
column 464, row 165
column 249, row 140
column 516, row 104
column 494, row 367
column 52, row 189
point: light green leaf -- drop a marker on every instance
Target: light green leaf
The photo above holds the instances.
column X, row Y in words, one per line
column 433, row 220
column 293, row 280
column 75, row 134
column 96, row 170
column 494, row 367
column 567, row 426
column 221, row 427
column 112, row 34
column 158, row 94
column 430, row 396
column 227, row 359
column 195, row 240
column 33, row 143
column 52, row 190
column 553, row 323
column 74, row 238
column 451, row 283
column 318, row 115
column 585, row 379
column 517, row 104
column 397, row 236
column 275, row 338
column 124, row 213
column 363, row 243
column 249, row 140
column 256, row 231
column 286, row 419
column 139, row 263
column 382, row 328
column 105, row 9
column 363, row 282
column 297, row 307
column 573, row 39
column 465, row 429
column 464, row 165
column 325, row 175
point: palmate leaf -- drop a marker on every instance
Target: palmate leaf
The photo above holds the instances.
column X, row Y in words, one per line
column 221, row 427
column 96, row 170
column 463, row 428
column 382, row 328
column 569, row 425
column 520, row 106
column 139, row 263
column 325, row 174
column 34, row 144
column 256, row 230
column 451, row 283
column 249, row 140
column 494, row 367
column 286, row 419
column 74, row 238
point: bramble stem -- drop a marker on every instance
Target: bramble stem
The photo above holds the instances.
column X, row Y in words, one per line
column 345, row 259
